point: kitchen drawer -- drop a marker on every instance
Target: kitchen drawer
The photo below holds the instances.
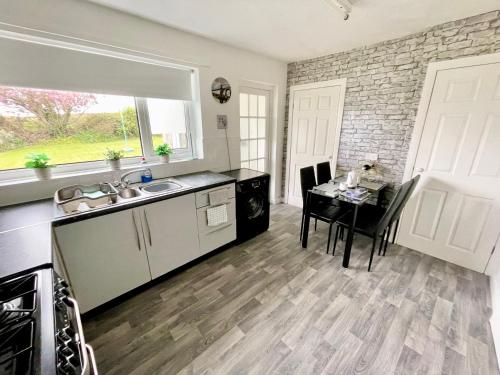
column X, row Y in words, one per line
column 202, row 196
column 203, row 227
column 221, row 235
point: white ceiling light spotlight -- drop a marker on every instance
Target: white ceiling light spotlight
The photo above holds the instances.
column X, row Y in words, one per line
column 344, row 6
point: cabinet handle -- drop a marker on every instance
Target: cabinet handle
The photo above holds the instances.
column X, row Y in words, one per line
column 136, row 232
column 149, row 230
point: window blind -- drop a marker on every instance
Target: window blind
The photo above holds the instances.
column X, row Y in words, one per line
column 31, row 64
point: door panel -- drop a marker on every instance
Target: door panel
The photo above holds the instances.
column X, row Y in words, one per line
column 455, row 210
column 314, row 133
column 104, row 256
column 170, row 233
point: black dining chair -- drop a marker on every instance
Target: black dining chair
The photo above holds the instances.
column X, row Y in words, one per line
column 373, row 221
column 397, row 215
column 318, row 210
column 323, row 172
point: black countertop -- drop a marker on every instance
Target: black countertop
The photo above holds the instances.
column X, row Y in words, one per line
column 26, row 229
column 244, row 174
column 25, row 249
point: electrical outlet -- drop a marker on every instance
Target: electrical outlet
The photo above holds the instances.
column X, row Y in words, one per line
column 371, row 156
column 221, row 121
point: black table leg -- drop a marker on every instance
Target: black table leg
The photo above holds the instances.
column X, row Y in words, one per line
column 350, row 235
column 307, row 219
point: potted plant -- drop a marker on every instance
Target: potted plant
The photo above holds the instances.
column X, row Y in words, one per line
column 164, row 151
column 113, row 157
column 39, row 162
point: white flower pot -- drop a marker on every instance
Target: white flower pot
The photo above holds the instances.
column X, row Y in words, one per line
column 114, row 164
column 43, row 173
column 165, row 158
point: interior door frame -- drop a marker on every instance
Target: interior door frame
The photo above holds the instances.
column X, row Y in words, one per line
column 425, row 100
column 342, row 82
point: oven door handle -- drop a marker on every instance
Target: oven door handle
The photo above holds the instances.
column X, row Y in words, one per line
column 81, row 338
column 92, row 360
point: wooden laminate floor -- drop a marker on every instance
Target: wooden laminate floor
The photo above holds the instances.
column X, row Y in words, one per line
column 268, row 306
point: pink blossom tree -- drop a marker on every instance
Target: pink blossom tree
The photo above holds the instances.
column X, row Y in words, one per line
column 52, row 108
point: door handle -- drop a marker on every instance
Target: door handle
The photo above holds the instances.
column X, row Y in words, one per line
column 136, row 232
column 149, row 230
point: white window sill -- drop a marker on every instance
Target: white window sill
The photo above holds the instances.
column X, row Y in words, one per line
column 96, row 171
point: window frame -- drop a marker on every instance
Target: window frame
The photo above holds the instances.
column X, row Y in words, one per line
column 89, row 167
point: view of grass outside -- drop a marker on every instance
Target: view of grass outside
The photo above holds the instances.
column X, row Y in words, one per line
column 68, row 127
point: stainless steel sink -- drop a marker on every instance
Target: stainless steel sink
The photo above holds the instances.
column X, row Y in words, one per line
column 128, row 193
column 161, row 187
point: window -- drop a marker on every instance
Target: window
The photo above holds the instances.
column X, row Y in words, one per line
column 73, row 127
column 254, row 123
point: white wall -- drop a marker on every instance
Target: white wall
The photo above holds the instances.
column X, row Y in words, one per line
column 91, row 23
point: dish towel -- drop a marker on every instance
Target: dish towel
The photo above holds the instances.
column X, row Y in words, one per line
column 217, row 215
column 217, row 197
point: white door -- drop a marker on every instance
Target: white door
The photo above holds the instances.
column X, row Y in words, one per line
column 171, row 233
column 315, row 122
column 254, row 128
column 104, row 257
column 454, row 213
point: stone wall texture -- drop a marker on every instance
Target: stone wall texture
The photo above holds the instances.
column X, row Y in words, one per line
column 384, row 84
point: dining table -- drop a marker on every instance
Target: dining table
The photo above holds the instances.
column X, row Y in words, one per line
column 330, row 193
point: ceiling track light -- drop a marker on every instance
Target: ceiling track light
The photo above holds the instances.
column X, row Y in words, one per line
column 344, row 6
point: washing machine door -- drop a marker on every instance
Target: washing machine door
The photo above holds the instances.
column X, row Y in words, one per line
column 254, row 205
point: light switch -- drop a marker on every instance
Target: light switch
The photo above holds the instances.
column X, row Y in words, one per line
column 221, row 121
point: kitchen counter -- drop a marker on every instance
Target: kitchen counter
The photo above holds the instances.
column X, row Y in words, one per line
column 25, row 249
column 26, row 229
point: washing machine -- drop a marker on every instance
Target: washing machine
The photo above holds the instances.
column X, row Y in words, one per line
column 252, row 202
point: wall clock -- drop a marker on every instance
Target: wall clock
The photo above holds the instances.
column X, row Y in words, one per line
column 221, row 90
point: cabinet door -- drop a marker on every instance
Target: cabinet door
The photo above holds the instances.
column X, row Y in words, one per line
column 171, row 233
column 104, row 257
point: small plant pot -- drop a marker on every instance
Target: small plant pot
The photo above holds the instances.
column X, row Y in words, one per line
column 43, row 174
column 114, row 164
column 165, row 158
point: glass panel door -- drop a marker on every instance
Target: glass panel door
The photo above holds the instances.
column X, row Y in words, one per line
column 254, row 128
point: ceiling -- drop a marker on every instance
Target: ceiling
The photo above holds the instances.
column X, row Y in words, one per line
column 292, row 30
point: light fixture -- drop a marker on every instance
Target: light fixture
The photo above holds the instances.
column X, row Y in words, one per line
column 344, row 6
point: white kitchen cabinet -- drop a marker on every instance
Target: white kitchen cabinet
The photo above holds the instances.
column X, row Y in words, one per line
column 104, row 257
column 171, row 233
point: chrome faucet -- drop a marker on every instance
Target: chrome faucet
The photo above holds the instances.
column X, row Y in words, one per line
column 124, row 182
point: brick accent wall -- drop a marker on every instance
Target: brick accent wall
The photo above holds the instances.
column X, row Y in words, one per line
column 384, row 84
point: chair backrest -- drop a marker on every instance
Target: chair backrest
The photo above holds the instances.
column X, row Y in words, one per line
column 393, row 206
column 323, row 172
column 307, row 180
column 402, row 205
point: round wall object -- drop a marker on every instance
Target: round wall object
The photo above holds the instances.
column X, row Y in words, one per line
column 221, row 90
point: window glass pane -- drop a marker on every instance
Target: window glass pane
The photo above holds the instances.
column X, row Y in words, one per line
column 262, row 106
column 253, row 149
column 253, row 105
column 261, row 165
column 253, row 164
column 243, row 104
column 261, row 148
column 262, row 128
column 243, row 128
column 245, row 164
column 244, row 150
column 69, row 127
column 167, row 119
column 253, row 128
